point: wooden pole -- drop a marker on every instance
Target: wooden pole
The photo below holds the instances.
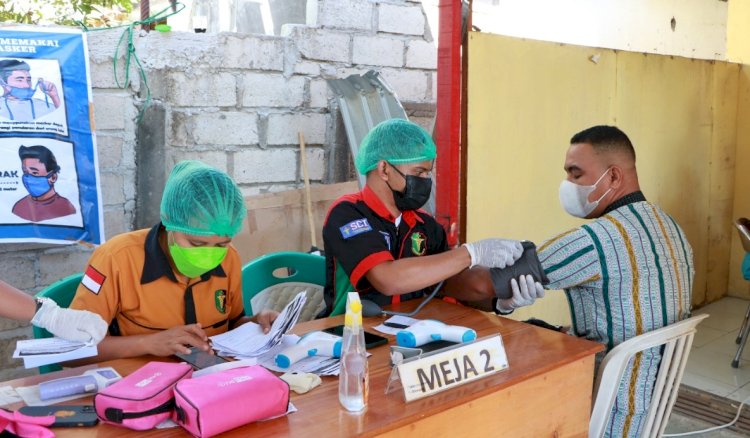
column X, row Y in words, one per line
column 308, row 201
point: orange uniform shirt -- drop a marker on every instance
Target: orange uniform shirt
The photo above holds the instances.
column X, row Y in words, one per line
column 131, row 285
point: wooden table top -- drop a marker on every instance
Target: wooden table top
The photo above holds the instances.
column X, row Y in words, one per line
column 531, row 351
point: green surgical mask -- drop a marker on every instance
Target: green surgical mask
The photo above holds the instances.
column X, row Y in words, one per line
column 194, row 262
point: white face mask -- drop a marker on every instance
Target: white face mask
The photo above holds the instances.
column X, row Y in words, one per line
column 575, row 198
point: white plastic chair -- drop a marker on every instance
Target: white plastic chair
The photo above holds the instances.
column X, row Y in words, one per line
column 677, row 339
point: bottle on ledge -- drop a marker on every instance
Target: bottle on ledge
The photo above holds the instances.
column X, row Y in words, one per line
column 199, row 16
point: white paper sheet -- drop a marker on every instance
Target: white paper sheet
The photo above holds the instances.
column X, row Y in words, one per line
column 225, row 366
column 8, row 395
column 45, row 351
column 396, row 320
column 248, row 339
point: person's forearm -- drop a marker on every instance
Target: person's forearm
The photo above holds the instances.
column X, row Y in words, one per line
column 116, row 347
column 16, row 304
column 416, row 273
column 473, row 284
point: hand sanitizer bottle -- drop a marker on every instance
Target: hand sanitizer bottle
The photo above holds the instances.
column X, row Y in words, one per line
column 353, row 376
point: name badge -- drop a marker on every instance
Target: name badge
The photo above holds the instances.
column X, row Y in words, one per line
column 464, row 363
column 355, row 227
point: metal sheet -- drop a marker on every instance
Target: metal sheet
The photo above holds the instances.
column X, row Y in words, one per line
column 366, row 100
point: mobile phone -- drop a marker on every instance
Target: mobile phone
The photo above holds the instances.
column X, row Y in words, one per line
column 200, row 359
column 65, row 415
column 371, row 339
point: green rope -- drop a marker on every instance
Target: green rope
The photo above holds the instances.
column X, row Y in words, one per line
column 131, row 54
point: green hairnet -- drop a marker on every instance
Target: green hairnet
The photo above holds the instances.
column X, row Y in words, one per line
column 396, row 141
column 202, row 201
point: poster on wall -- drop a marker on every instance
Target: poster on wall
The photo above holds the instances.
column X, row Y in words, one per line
column 49, row 174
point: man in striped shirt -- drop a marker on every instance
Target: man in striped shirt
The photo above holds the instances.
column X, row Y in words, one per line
column 627, row 272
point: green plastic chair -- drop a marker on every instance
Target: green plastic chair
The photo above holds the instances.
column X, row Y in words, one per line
column 268, row 270
column 61, row 292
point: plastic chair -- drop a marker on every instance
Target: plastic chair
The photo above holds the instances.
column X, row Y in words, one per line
column 743, row 228
column 61, row 292
column 272, row 280
column 677, row 339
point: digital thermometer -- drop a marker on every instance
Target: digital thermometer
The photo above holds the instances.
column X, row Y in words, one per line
column 90, row 381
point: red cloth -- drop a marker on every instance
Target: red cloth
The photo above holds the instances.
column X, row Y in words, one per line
column 35, row 211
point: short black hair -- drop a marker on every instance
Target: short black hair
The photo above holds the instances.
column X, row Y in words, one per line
column 8, row 66
column 41, row 153
column 605, row 138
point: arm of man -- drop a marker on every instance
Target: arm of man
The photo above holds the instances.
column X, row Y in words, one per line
column 365, row 253
column 398, row 277
column 164, row 343
column 569, row 260
column 16, row 304
column 415, row 273
column 473, row 284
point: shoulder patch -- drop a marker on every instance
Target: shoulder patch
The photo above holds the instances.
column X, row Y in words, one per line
column 355, row 227
column 93, row 280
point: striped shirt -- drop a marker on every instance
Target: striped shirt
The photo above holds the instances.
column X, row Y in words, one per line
column 624, row 274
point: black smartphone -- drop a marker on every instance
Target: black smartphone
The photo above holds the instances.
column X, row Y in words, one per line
column 200, row 359
column 371, row 339
column 65, row 415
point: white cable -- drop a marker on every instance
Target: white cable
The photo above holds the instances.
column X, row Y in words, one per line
column 711, row 429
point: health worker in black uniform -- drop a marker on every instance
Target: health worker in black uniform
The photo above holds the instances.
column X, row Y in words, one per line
column 378, row 242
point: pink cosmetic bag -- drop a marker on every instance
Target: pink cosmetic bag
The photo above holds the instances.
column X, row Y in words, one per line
column 143, row 399
column 214, row 403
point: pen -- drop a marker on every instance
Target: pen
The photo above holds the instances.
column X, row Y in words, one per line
column 395, row 325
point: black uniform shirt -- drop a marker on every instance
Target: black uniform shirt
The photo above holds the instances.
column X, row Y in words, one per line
column 360, row 233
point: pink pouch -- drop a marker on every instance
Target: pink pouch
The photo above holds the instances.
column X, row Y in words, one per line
column 143, row 399
column 19, row 424
column 211, row 404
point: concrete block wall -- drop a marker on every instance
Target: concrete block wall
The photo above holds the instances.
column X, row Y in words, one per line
column 236, row 102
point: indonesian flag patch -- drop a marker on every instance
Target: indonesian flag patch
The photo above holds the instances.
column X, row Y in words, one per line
column 93, row 280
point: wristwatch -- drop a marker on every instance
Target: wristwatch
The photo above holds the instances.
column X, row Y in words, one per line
column 39, row 303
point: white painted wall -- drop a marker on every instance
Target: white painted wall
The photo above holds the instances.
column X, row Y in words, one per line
column 635, row 25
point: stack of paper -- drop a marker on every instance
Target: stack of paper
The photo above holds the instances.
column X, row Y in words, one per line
column 320, row 365
column 248, row 339
column 38, row 352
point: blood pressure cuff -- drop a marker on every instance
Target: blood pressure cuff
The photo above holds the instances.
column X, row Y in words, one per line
column 527, row 264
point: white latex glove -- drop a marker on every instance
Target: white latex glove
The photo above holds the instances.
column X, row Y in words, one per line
column 70, row 324
column 525, row 292
column 494, row 253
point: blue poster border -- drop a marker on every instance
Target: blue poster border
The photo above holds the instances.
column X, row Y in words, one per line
column 72, row 54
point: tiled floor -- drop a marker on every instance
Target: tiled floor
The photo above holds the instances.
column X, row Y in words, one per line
column 709, row 365
column 680, row 424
